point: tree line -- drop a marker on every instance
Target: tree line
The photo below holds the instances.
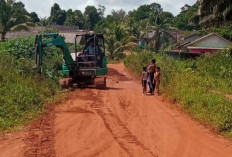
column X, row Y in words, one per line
column 121, row 27
column 203, row 14
column 86, row 20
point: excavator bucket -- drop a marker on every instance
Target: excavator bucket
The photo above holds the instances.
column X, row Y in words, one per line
column 100, row 82
column 65, row 83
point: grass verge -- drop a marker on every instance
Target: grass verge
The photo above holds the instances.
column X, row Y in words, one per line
column 23, row 93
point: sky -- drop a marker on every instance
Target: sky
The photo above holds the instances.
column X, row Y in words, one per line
column 43, row 7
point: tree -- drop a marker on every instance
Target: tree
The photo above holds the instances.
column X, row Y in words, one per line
column 70, row 18
column 133, row 27
column 214, row 12
column 18, row 8
column 118, row 14
column 144, row 11
column 43, row 22
column 104, row 24
column 79, row 18
column 92, row 17
column 118, row 39
column 187, row 20
column 35, row 17
column 101, row 11
column 159, row 27
column 74, row 18
column 118, row 36
column 57, row 16
column 10, row 23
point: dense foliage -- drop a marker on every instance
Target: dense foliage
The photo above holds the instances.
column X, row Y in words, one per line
column 23, row 48
column 123, row 31
column 75, row 18
column 86, row 20
column 201, row 86
column 186, row 20
column 57, row 16
column 215, row 12
column 23, row 93
column 224, row 31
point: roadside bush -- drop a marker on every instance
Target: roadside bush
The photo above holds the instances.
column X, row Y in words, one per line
column 139, row 48
column 23, row 50
column 19, row 48
column 23, row 93
column 201, row 86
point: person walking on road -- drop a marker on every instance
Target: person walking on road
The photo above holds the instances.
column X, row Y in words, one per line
column 151, row 72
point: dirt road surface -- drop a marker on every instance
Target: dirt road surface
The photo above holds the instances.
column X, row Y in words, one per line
column 117, row 122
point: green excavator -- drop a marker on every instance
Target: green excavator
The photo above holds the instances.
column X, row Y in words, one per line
column 84, row 68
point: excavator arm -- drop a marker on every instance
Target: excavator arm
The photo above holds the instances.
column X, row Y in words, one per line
column 56, row 40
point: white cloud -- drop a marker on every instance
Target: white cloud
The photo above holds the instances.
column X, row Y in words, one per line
column 42, row 8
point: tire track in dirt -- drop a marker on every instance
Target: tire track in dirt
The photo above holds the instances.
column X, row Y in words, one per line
column 119, row 131
column 40, row 139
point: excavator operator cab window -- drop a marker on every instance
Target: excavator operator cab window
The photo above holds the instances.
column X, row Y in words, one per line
column 93, row 51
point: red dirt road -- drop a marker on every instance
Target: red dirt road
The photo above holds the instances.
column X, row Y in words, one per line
column 118, row 122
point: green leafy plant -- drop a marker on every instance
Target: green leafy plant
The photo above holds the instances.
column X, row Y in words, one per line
column 23, row 92
column 48, row 30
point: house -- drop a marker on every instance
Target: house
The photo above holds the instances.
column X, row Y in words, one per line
column 182, row 42
column 209, row 43
column 186, row 7
column 150, row 36
column 198, row 45
column 69, row 32
column 190, row 38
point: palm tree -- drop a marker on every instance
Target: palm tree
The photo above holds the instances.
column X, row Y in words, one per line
column 9, row 23
column 159, row 28
column 118, row 39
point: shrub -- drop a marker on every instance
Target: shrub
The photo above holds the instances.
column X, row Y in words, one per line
column 23, row 93
column 48, row 30
column 23, row 49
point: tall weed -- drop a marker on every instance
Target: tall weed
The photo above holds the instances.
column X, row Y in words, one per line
column 23, row 93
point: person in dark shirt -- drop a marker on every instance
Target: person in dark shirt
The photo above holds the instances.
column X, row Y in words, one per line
column 151, row 72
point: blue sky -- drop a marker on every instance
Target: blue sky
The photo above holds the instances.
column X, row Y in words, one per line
column 42, row 7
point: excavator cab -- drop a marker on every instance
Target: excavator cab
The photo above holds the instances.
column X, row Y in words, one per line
column 91, row 59
column 93, row 53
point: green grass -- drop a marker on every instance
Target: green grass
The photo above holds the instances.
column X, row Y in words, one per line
column 191, row 83
column 23, row 93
